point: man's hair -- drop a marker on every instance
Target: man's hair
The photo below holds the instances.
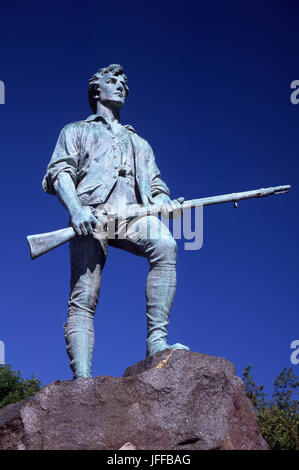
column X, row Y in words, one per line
column 93, row 86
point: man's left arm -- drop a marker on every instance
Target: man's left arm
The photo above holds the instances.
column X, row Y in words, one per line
column 160, row 191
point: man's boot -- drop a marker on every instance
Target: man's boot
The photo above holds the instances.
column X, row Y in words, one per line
column 160, row 290
column 79, row 337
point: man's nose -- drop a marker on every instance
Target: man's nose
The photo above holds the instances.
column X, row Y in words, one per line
column 120, row 86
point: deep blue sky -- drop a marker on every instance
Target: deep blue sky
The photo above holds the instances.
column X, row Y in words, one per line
column 210, row 90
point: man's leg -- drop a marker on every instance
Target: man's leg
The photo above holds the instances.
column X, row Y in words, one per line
column 150, row 238
column 87, row 262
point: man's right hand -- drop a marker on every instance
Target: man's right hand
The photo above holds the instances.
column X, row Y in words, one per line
column 83, row 221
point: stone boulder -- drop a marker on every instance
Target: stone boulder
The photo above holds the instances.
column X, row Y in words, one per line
column 174, row 400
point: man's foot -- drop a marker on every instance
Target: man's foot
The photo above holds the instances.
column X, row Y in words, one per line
column 153, row 348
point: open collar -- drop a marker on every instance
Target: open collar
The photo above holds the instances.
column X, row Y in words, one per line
column 99, row 117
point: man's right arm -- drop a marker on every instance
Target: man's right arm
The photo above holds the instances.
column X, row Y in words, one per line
column 61, row 178
column 82, row 219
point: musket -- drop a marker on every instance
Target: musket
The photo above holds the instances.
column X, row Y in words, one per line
column 41, row 243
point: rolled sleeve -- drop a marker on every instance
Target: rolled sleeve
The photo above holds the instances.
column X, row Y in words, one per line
column 158, row 186
column 64, row 159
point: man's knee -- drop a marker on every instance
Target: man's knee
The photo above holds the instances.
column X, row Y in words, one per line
column 164, row 250
column 84, row 297
column 169, row 245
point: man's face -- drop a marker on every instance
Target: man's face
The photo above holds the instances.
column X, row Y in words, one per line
column 112, row 89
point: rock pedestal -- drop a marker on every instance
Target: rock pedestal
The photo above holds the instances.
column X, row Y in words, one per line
column 175, row 400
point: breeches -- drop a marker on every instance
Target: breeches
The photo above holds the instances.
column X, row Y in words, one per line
column 147, row 237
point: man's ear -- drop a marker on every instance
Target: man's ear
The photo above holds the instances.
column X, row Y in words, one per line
column 97, row 92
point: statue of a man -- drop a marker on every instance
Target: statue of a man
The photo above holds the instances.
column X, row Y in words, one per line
column 96, row 161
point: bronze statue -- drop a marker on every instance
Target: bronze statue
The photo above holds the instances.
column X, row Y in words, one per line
column 99, row 161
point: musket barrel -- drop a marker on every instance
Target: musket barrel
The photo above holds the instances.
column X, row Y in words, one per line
column 235, row 197
column 208, row 201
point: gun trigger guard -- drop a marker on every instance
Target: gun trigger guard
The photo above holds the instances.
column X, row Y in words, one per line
column 235, row 204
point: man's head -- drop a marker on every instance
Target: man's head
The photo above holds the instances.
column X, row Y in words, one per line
column 108, row 85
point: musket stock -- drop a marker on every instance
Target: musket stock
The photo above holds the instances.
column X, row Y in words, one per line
column 42, row 243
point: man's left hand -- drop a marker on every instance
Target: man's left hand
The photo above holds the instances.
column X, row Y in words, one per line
column 169, row 206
